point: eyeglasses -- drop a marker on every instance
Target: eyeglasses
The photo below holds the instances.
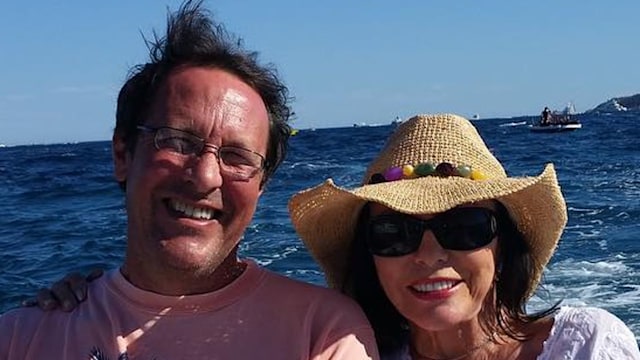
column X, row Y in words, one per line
column 461, row 229
column 235, row 162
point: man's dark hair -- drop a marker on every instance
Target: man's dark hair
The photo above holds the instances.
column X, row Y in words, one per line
column 515, row 276
column 194, row 39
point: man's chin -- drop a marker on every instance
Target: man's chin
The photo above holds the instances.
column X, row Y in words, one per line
column 193, row 262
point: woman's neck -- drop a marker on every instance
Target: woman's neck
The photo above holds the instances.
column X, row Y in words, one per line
column 471, row 341
column 457, row 342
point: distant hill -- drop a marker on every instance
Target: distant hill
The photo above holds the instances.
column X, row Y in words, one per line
column 625, row 103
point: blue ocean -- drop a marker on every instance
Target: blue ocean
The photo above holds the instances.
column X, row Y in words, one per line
column 62, row 211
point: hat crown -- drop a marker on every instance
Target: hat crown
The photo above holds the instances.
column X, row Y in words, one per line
column 436, row 139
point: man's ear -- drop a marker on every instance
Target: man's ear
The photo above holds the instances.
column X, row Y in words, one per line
column 120, row 157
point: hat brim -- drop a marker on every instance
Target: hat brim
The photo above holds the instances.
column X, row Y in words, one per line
column 325, row 216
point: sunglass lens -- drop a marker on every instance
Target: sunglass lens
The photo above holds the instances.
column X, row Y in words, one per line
column 466, row 229
column 388, row 236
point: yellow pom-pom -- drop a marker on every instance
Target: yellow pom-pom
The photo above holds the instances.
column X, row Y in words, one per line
column 407, row 172
column 477, row 175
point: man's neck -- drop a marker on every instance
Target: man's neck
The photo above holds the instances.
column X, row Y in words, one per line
column 177, row 282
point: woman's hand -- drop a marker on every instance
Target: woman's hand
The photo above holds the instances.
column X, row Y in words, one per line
column 65, row 294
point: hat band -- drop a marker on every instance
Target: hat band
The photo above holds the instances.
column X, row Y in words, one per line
column 444, row 169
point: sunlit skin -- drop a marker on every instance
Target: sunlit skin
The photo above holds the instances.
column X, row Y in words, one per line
column 169, row 252
column 440, row 292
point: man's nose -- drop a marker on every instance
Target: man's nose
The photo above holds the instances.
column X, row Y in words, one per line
column 205, row 171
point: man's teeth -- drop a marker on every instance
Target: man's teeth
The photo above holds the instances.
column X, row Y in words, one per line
column 436, row 286
column 192, row 211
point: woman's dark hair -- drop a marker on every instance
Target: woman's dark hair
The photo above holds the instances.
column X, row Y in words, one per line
column 193, row 39
column 515, row 275
column 362, row 284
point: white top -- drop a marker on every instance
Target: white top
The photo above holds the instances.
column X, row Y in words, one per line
column 583, row 333
column 589, row 333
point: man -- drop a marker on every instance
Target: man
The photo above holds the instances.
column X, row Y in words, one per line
column 546, row 116
column 199, row 130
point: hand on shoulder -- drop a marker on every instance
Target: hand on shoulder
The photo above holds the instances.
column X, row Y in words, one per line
column 65, row 294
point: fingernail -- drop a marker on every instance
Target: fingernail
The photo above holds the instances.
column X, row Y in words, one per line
column 96, row 273
column 29, row 302
column 79, row 294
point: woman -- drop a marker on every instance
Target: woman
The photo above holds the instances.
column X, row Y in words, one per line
column 442, row 250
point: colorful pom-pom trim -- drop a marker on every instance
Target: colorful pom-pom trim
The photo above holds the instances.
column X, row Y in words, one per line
column 426, row 169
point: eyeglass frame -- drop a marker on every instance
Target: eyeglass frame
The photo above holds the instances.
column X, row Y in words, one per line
column 202, row 145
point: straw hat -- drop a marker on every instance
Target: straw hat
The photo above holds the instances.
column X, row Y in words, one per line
column 325, row 216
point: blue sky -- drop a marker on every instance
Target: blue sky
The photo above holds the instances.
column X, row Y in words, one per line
column 63, row 62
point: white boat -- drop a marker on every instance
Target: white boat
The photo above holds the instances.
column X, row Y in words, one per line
column 396, row 122
column 564, row 120
column 555, row 127
column 570, row 109
column 516, row 123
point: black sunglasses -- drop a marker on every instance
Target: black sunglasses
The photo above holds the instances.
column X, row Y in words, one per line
column 461, row 229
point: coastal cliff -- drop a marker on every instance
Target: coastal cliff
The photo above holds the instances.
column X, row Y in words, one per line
column 625, row 103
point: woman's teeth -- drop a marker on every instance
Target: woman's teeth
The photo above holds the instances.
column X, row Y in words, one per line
column 435, row 286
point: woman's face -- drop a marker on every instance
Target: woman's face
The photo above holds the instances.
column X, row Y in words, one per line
column 435, row 288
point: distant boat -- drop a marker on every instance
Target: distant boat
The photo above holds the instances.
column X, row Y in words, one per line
column 555, row 127
column 396, row 121
column 558, row 121
column 518, row 123
column 564, row 116
column 294, row 132
column 475, row 117
column 570, row 109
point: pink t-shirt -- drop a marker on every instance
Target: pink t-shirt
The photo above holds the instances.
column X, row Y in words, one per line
column 261, row 315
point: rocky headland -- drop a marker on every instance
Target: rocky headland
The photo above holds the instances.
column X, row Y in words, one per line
column 617, row 104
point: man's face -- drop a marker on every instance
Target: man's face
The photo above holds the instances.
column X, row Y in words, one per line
column 185, row 217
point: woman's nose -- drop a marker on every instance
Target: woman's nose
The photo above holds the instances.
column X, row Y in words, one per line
column 430, row 251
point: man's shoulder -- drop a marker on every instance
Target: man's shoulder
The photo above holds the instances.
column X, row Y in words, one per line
column 21, row 316
column 279, row 280
column 34, row 316
column 323, row 309
column 285, row 287
column 20, row 326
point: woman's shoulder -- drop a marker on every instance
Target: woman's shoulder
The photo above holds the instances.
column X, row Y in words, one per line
column 588, row 319
column 583, row 332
